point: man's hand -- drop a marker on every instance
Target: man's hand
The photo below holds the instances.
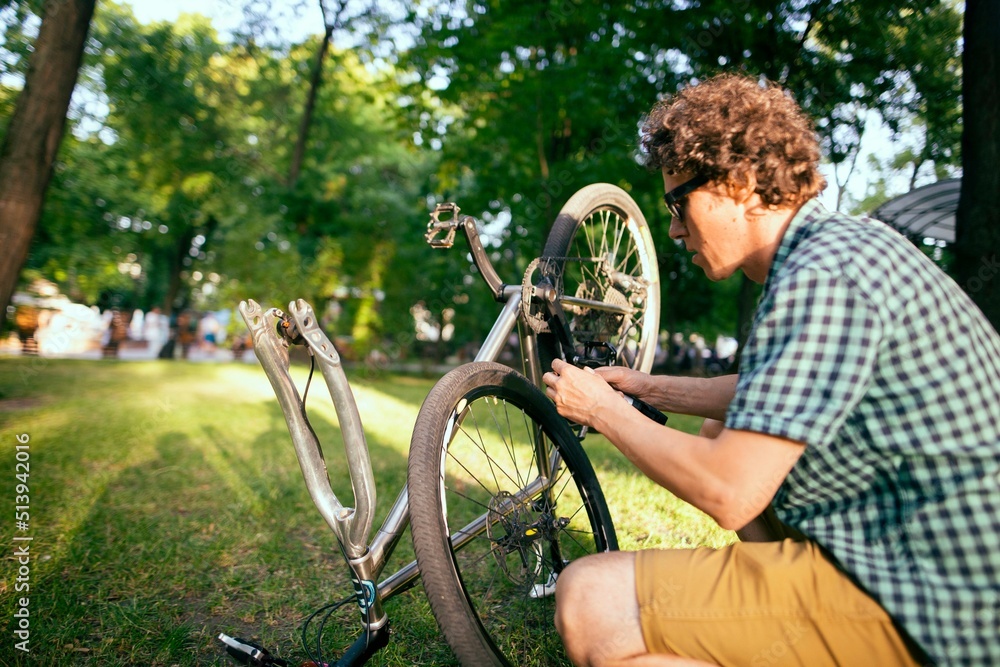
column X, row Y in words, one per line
column 731, row 477
column 579, row 393
column 626, row 380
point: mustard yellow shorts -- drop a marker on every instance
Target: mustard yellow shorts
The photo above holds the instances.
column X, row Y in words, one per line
column 761, row 604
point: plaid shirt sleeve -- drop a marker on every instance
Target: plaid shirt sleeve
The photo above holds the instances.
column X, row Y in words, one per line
column 810, row 358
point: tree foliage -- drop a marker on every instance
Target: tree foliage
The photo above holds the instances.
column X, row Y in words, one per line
column 174, row 187
column 173, row 190
column 536, row 99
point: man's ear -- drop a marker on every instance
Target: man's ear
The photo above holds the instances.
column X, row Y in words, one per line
column 742, row 187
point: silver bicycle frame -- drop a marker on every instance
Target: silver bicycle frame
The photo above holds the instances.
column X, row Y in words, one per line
column 352, row 525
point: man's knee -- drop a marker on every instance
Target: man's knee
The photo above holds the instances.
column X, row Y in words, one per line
column 571, row 602
column 596, row 609
column 711, row 428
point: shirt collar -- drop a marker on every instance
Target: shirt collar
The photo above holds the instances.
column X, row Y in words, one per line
column 799, row 228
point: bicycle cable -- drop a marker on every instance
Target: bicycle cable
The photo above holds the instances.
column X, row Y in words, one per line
column 329, row 608
column 312, row 367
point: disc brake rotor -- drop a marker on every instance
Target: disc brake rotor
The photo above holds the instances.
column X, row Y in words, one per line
column 514, row 540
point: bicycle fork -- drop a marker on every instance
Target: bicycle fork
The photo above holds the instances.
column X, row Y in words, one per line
column 351, row 526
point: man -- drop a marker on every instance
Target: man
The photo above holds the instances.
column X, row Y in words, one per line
column 865, row 413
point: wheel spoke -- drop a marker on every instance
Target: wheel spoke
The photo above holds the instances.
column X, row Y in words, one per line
column 515, row 555
column 481, row 445
column 603, row 253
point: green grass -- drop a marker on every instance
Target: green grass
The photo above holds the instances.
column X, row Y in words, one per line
column 167, row 506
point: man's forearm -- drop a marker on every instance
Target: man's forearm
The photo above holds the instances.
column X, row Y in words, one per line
column 702, row 397
column 732, row 477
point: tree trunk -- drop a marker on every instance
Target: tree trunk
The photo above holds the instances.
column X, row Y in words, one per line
column 178, row 295
column 306, row 121
column 35, row 131
column 977, row 246
column 175, row 264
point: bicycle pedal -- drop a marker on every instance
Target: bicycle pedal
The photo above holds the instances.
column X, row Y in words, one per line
column 246, row 652
column 444, row 218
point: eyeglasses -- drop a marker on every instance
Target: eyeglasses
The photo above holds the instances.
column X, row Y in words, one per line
column 673, row 198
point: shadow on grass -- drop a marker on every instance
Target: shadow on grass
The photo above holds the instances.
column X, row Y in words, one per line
column 212, row 530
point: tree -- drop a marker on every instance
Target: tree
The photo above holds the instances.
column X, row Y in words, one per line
column 178, row 191
column 83, row 243
column 330, row 26
column 35, row 131
column 977, row 246
column 537, row 99
column 175, row 119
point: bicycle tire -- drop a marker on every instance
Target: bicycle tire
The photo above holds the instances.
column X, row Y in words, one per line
column 471, row 457
column 602, row 221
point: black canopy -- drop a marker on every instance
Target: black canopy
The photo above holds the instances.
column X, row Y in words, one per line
column 926, row 212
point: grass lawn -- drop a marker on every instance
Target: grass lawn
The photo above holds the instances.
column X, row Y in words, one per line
column 166, row 506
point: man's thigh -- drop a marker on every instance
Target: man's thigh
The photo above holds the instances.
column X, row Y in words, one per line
column 761, row 604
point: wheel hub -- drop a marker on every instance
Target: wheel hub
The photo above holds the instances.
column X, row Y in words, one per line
column 517, row 529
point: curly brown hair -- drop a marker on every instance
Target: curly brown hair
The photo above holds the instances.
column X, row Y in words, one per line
column 730, row 127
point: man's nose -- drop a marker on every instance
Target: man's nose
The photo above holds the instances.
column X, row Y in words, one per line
column 677, row 228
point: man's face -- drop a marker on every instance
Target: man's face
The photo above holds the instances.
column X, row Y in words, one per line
column 711, row 225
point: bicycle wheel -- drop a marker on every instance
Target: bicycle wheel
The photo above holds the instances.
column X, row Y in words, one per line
column 601, row 250
column 494, row 522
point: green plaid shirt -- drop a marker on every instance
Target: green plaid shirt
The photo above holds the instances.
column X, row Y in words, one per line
column 870, row 355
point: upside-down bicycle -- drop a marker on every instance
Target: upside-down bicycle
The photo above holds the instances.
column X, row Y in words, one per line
column 500, row 495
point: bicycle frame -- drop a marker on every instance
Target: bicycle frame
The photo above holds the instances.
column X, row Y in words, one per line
column 352, row 526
